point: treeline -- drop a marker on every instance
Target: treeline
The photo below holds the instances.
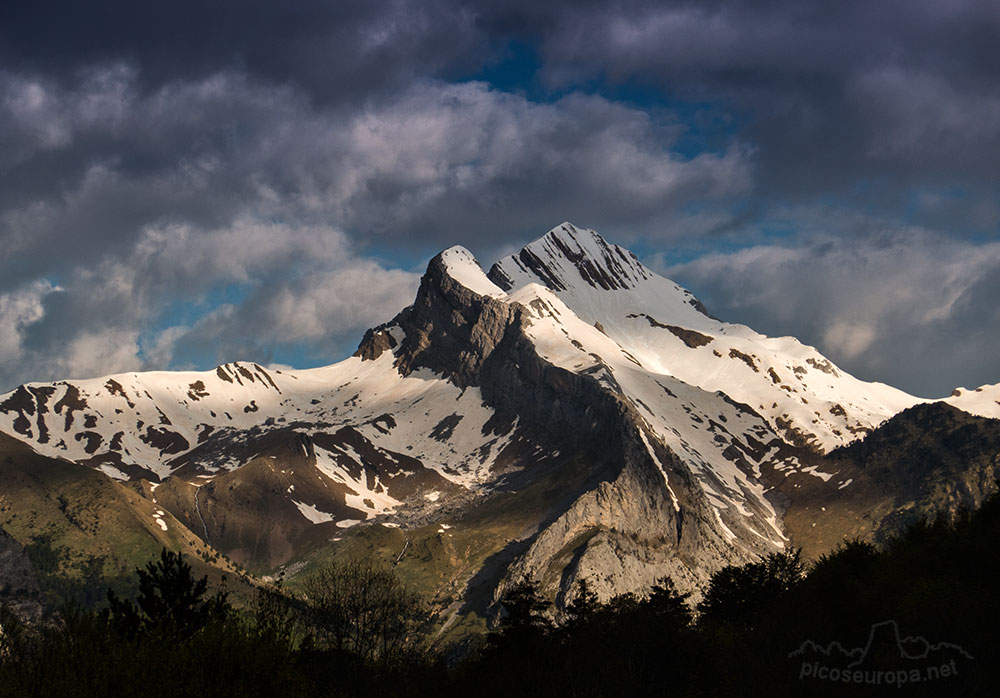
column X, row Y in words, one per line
column 767, row 628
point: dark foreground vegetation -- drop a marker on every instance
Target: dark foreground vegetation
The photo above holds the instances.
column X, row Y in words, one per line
column 361, row 634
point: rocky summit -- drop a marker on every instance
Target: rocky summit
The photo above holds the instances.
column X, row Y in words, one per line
column 568, row 415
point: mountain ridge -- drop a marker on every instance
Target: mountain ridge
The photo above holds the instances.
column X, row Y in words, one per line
column 683, row 442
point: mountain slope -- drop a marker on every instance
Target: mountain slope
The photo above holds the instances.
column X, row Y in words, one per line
column 800, row 393
column 569, row 415
column 984, row 401
column 20, row 592
column 83, row 530
column 927, row 461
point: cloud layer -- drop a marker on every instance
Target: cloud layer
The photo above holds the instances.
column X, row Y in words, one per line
column 186, row 183
column 890, row 306
column 146, row 204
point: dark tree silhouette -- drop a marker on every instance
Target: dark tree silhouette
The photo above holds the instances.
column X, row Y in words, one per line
column 735, row 594
column 363, row 610
column 171, row 603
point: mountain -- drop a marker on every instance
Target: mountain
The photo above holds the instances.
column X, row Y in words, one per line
column 83, row 531
column 568, row 415
column 927, row 461
column 667, row 331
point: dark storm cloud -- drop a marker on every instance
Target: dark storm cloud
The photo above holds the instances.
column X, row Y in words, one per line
column 865, row 100
column 336, row 51
column 91, row 165
column 858, row 99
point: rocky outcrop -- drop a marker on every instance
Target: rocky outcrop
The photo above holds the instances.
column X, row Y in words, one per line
column 375, row 341
column 631, row 531
column 450, row 329
column 627, row 530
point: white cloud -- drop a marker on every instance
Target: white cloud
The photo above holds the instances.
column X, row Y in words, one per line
column 905, row 306
column 849, row 339
column 80, row 352
column 347, row 299
column 244, row 209
column 324, row 313
column 295, row 284
column 158, row 350
column 90, row 353
column 19, row 309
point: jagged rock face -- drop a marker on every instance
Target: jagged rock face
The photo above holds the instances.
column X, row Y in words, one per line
column 598, row 264
column 614, row 430
column 451, row 329
column 19, row 590
column 630, row 530
column 627, row 533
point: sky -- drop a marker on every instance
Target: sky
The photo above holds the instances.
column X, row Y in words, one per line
column 188, row 183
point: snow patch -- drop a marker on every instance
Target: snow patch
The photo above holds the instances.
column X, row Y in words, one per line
column 158, row 518
column 815, row 472
column 464, row 269
column 313, row 514
column 113, row 472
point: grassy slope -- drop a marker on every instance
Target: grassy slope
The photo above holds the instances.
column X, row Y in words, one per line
column 457, row 568
column 84, row 531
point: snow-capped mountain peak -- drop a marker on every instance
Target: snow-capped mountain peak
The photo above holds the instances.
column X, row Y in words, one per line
column 628, row 418
column 567, row 257
column 664, row 327
column 462, row 266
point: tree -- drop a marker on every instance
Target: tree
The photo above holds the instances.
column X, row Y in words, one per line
column 170, row 603
column 735, row 593
column 667, row 605
column 523, row 611
column 274, row 613
column 362, row 609
column 584, row 606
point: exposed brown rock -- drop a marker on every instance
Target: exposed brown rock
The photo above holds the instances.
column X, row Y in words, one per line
column 375, row 341
column 824, row 366
column 165, row 440
column 197, row 390
column 748, row 360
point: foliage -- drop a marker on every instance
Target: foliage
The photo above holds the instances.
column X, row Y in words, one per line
column 170, row 602
column 363, row 610
column 358, row 630
column 171, row 639
column 736, row 593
